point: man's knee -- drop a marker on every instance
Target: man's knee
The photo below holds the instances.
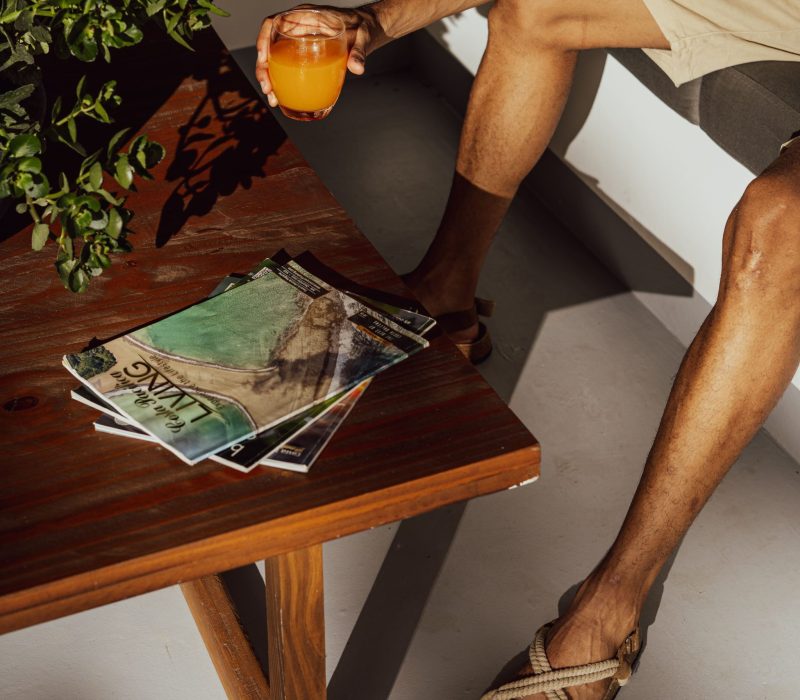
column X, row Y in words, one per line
column 761, row 248
column 536, row 23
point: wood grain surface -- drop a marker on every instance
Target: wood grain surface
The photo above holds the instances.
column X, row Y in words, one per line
column 87, row 518
column 296, row 625
column 227, row 644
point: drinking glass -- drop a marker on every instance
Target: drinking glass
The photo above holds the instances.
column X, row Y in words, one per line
column 307, row 62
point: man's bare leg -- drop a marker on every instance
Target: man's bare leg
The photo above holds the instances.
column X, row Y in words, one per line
column 515, row 104
column 733, row 374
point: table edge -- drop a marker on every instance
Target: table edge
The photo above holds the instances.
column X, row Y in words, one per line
column 239, row 547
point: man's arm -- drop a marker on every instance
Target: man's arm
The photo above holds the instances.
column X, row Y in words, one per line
column 397, row 18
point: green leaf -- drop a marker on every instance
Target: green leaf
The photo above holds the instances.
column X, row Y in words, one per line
column 113, row 144
column 41, row 33
column 24, row 145
column 134, row 34
column 72, row 128
column 154, row 7
column 179, row 39
column 96, row 175
column 81, row 221
column 64, row 266
column 110, row 198
column 24, row 21
column 99, row 221
column 55, row 112
column 68, row 249
column 31, row 164
column 123, row 172
column 14, row 97
column 40, row 234
column 78, row 280
column 100, row 111
column 19, row 54
column 89, row 202
column 38, row 186
column 114, row 224
column 80, row 38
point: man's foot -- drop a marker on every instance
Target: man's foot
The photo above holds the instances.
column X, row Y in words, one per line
column 585, row 634
column 441, row 298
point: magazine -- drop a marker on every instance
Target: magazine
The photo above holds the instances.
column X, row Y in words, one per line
column 301, row 450
column 294, row 444
column 248, row 454
column 241, row 456
column 217, row 373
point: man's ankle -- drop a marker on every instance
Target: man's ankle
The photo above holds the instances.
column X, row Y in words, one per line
column 441, row 293
column 613, row 599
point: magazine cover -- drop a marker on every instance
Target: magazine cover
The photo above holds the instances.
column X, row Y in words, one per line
column 216, row 373
column 248, row 454
column 243, row 456
column 294, row 444
column 300, row 451
column 411, row 320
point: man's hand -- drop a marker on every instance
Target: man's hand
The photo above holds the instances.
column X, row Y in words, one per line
column 362, row 31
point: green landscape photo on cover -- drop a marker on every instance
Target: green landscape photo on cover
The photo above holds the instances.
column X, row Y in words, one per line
column 218, row 372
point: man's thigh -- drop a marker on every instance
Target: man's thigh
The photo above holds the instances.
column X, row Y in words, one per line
column 585, row 24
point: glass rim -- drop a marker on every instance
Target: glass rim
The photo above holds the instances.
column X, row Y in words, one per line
column 314, row 11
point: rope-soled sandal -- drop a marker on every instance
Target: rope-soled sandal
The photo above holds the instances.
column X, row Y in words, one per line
column 479, row 349
column 553, row 683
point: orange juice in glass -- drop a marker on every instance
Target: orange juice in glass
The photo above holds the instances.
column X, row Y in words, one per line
column 307, row 62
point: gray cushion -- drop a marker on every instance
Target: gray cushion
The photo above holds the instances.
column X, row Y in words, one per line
column 750, row 110
column 685, row 100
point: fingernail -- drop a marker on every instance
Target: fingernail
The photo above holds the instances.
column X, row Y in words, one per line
column 264, row 87
column 261, row 56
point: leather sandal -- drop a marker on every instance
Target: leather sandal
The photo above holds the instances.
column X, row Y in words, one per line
column 478, row 349
column 552, row 683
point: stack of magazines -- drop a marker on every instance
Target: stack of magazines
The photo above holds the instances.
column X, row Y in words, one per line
column 262, row 372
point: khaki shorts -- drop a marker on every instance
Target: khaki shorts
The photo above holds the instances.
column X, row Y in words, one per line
column 707, row 35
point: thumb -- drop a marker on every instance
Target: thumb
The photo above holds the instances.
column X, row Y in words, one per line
column 358, row 52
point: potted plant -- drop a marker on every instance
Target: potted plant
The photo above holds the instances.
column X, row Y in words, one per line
column 82, row 210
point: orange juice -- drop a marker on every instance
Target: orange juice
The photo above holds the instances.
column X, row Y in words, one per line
column 307, row 73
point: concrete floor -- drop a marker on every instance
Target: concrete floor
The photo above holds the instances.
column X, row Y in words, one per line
column 433, row 607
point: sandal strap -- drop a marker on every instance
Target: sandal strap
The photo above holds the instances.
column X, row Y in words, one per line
column 553, row 682
column 455, row 321
column 541, row 664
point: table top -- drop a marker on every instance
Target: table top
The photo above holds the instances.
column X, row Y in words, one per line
column 88, row 518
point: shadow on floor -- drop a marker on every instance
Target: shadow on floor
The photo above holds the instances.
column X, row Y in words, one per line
column 386, row 624
column 382, row 634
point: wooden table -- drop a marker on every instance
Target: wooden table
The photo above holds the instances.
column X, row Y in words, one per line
column 87, row 519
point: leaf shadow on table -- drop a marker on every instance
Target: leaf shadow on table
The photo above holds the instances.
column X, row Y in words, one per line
column 224, row 144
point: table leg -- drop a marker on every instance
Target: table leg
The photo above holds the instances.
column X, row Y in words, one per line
column 296, row 625
column 227, row 644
